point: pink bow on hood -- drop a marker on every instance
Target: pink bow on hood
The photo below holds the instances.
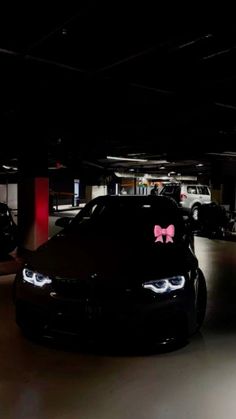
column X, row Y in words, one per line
column 168, row 232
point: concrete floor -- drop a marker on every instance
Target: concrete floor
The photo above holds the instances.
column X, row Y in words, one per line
column 196, row 381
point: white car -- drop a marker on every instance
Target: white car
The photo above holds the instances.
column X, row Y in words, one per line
column 188, row 196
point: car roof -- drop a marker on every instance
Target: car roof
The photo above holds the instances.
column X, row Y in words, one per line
column 136, row 199
column 184, row 184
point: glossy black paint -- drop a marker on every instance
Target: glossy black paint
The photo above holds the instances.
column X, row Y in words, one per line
column 98, row 265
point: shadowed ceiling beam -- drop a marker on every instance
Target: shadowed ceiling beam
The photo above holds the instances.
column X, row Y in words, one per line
column 27, row 57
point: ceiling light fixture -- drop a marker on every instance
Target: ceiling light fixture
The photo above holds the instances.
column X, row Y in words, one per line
column 9, row 167
column 125, row 159
column 136, row 154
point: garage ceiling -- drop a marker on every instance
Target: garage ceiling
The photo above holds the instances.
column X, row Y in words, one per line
column 106, row 78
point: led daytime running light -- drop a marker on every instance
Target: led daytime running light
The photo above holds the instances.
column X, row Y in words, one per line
column 162, row 286
column 35, row 278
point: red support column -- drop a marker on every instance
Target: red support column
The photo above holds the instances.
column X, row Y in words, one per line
column 33, row 212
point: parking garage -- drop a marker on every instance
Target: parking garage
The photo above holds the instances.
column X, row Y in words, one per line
column 90, row 110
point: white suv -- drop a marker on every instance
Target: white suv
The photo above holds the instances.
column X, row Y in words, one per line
column 188, row 196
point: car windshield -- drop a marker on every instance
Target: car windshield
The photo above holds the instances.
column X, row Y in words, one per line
column 172, row 191
column 128, row 217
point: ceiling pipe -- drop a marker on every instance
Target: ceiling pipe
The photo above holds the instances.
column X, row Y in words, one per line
column 52, row 32
column 26, row 57
column 195, row 41
column 218, row 53
column 60, row 27
column 224, row 105
column 124, row 60
column 153, row 89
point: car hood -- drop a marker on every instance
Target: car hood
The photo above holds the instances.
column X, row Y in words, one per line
column 72, row 256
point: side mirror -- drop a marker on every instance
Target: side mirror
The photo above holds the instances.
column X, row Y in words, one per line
column 63, row 222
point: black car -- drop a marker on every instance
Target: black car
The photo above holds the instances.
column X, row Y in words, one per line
column 8, row 231
column 123, row 268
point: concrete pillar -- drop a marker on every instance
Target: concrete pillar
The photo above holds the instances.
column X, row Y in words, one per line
column 216, row 193
column 216, row 183
column 92, row 191
column 223, row 183
column 33, row 194
column 88, row 193
column 135, row 186
column 33, row 212
column 229, row 192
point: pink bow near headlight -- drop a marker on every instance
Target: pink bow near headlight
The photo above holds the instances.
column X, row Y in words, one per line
column 168, row 232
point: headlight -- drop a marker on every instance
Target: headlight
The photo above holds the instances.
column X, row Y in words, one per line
column 35, row 278
column 160, row 286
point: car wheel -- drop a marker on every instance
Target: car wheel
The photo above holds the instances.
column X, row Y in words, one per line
column 195, row 212
column 201, row 299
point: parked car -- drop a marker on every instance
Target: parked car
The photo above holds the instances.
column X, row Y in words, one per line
column 122, row 268
column 8, row 231
column 214, row 221
column 189, row 197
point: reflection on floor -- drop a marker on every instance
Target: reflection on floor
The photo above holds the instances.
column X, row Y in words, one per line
column 196, row 381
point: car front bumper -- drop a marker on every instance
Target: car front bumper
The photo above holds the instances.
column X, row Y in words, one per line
column 147, row 316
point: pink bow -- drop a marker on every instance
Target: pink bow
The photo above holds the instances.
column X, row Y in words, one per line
column 169, row 232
